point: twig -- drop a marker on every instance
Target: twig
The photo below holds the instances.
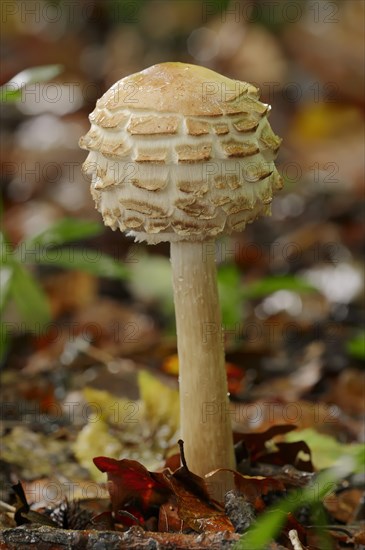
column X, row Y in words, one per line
column 294, row 539
column 182, row 454
column 7, row 507
column 43, row 538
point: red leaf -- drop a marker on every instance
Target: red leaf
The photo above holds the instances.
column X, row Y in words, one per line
column 132, row 487
column 130, row 515
column 173, row 462
column 132, row 483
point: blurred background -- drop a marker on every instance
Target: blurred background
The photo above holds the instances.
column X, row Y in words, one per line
column 291, row 285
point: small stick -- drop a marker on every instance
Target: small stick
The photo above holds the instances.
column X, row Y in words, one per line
column 294, row 539
column 7, row 507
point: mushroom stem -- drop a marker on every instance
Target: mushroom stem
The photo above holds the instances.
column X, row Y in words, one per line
column 205, row 414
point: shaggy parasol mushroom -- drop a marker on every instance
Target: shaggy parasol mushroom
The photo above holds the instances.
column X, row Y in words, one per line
column 180, row 153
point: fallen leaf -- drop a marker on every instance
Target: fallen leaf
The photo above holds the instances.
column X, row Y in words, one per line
column 42, row 393
column 47, row 491
column 256, row 443
column 197, row 512
column 261, row 447
column 70, row 291
column 253, row 487
column 107, row 406
column 348, row 392
column 195, row 506
column 133, row 488
column 342, row 506
column 23, row 514
column 95, row 438
column 130, row 483
column 161, row 403
column 168, row 518
column 31, row 452
column 297, row 454
column 116, row 329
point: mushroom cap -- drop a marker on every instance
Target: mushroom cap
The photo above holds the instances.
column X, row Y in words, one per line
column 179, row 152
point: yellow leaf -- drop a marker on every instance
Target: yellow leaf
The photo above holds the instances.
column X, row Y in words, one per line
column 105, row 405
column 94, row 440
column 161, row 403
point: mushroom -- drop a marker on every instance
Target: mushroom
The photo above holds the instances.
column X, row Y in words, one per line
column 182, row 154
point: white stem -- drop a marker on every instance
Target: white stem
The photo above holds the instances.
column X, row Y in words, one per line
column 205, row 417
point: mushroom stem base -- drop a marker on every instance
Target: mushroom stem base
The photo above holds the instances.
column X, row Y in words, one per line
column 205, row 412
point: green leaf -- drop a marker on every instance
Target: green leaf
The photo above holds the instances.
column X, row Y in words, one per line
column 11, row 91
column 41, row 73
column 356, row 346
column 6, row 274
column 4, row 341
column 268, row 285
column 65, row 230
column 265, row 529
column 88, row 260
column 6, row 250
column 151, row 281
column 9, row 96
column 29, row 297
column 229, row 284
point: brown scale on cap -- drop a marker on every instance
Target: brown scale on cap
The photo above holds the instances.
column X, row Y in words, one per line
column 175, row 130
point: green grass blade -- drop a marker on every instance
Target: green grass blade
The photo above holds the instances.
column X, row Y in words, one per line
column 12, row 90
column 356, row 346
column 268, row 285
column 269, row 524
column 29, row 297
column 88, row 260
column 6, row 275
column 64, row 231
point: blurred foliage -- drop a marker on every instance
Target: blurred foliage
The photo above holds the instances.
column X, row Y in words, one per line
column 63, row 231
column 269, row 524
column 12, row 90
column 229, row 288
column 268, row 285
column 325, row 449
column 19, row 284
column 356, row 346
column 151, row 282
column 124, row 11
